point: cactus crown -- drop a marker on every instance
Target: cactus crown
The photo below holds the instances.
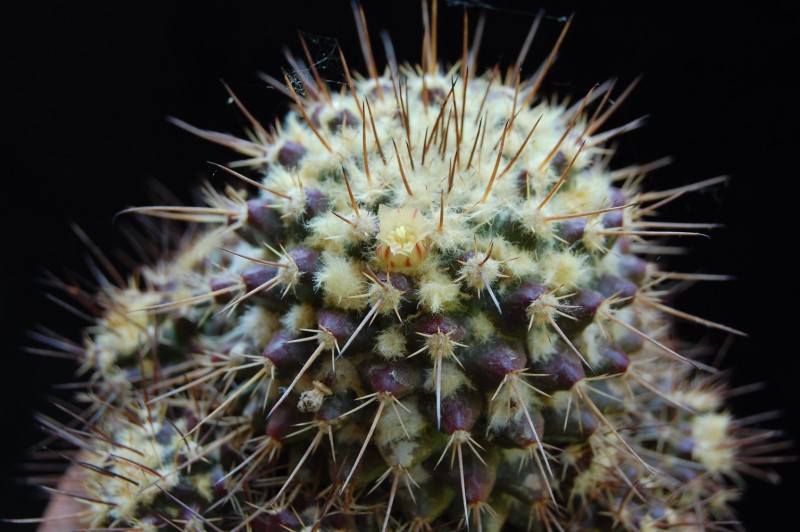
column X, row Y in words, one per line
column 422, row 304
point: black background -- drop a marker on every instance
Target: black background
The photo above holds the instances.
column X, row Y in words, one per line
column 87, row 90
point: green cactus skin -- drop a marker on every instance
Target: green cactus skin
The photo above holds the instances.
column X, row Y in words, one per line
column 443, row 319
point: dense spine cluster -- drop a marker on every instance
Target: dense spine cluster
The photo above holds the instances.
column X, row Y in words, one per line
column 422, row 303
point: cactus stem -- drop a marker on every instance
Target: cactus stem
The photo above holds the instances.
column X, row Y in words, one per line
column 559, row 245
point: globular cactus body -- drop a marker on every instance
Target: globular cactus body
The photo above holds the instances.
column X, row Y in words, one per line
column 421, row 304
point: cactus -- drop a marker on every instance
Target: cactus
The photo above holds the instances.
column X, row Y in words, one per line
column 422, row 302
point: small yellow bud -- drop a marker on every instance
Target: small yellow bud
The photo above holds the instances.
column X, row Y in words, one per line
column 403, row 237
